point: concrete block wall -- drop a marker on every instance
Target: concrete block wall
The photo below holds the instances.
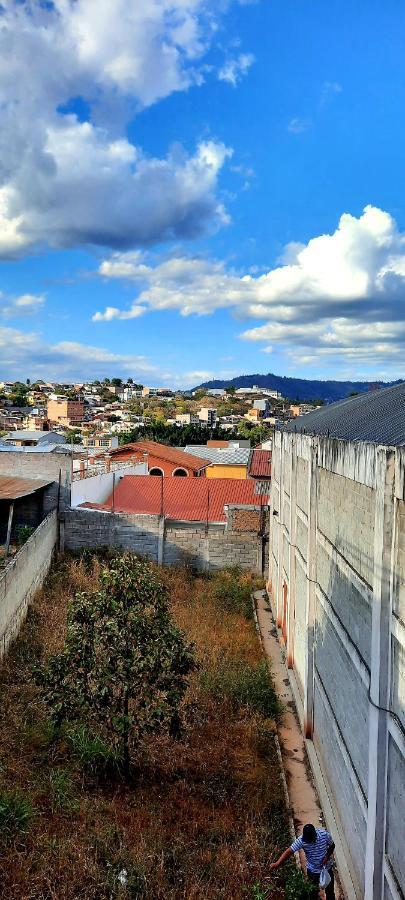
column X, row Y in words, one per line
column 171, row 543
column 53, row 466
column 88, row 528
column 23, row 576
column 338, row 556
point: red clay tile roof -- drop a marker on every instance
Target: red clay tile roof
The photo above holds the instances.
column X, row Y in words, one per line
column 181, row 498
column 170, row 454
column 260, row 464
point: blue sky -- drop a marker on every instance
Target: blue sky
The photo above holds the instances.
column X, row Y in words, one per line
column 199, row 189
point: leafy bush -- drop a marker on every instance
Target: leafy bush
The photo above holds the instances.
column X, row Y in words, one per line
column 94, row 756
column 124, row 665
column 16, row 812
column 232, row 589
column 298, row 887
column 243, row 685
column 24, row 532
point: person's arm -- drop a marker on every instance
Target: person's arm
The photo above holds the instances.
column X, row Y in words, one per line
column 282, row 859
column 328, row 854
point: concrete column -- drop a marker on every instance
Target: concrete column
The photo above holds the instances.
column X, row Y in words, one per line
column 292, row 557
column 311, row 592
column 161, row 540
column 280, row 549
column 383, row 576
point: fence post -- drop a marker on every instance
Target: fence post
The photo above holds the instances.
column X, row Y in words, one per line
column 161, row 539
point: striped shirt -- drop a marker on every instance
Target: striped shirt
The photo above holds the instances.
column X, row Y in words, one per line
column 315, row 852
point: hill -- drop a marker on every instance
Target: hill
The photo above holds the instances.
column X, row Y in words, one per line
column 298, row 388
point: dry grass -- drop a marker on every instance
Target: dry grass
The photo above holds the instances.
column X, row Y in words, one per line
column 203, row 815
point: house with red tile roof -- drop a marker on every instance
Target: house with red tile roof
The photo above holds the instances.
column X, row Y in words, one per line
column 187, row 500
column 260, row 469
column 161, row 459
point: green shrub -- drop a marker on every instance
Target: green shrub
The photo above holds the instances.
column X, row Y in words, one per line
column 232, row 589
column 124, row 665
column 257, row 892
column 61, row 791
column 94, row 756
column 16, row 812
column 244, row 685
column 298, row 887
column 23, row 532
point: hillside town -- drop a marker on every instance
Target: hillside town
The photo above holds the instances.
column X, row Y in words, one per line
column 98, row 415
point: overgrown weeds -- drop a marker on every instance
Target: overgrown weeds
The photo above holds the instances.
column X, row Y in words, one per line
column 16, row 813
column 203, row 814
column 243, row 685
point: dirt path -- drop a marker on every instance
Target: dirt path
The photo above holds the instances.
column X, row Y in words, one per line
column 305, row 805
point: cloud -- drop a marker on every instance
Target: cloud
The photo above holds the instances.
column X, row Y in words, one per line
column 68, row 179
column 298, row 126
column 17, row 307
column 65, row 360
column 329, row 90
column 340, row 296
column 235, row 69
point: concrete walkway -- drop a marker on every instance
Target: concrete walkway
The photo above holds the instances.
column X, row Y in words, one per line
column 304, row 802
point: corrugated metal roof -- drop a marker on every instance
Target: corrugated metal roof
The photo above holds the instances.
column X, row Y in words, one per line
column 260, row 464
column 13, row 488
column 376, row 416
column 187, row 499
column 227, row 456
column 171, row 454
column 39, row 436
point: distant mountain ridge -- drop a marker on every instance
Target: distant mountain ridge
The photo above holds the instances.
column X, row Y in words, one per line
column 298, row 388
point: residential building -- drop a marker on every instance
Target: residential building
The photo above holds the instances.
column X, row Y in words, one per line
column 100, row 441
column 216, row 392
column 260, row 470
column 301, row 409
column 189, row 500
column 33, row 438
column 336, row 578
column 207, row 416
column 36, row 420
column 225, row 462
column 65, row 412
column 162, row 460
column 187, row 419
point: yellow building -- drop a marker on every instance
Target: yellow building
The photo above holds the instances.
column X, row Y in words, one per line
column 226, row 462
column 226, row 471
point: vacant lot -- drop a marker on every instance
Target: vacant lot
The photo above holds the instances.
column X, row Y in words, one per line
column 201, row 816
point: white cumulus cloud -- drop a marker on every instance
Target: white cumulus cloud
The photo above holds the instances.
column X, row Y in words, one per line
column 67, row 180
column 17, row 307
column 341, row 295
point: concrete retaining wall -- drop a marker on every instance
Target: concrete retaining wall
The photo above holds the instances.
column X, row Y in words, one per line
column 337, row 576
column 23, row 576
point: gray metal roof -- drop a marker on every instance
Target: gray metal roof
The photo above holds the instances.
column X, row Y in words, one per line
column 225, row 456
column 42, row 437
column 376, row 416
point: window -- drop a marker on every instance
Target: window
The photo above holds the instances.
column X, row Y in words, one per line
column 156, row 471
column 181, row 473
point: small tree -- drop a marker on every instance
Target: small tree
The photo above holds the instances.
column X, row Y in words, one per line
column 124, row 666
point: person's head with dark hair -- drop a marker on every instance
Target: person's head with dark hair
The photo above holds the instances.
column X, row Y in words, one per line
column 309, row 834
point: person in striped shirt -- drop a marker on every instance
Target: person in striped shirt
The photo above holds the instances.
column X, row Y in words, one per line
column 318, row 847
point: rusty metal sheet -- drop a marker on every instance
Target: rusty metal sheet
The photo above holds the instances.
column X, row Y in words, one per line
column 14, row 488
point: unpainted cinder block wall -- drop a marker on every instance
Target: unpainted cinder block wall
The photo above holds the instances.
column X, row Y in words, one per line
column 23, row 576
column 240, row 542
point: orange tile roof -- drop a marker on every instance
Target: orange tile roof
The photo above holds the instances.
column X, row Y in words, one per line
column 260, row 464
column 162, row 451
column 187, row 499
